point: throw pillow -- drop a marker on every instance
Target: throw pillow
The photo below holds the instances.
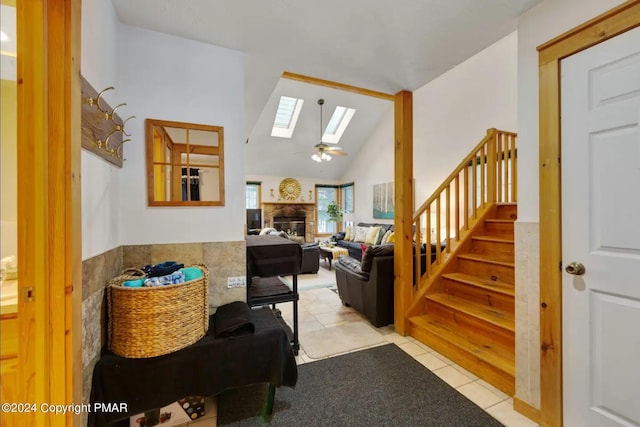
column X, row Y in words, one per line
column 349, row 233
column 363, row 247
column 361, row 234
column 391, row 238
column 383, row 231
column 385, row 238
column 372, row 235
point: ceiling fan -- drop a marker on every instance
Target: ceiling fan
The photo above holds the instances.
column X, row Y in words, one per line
column 324, row 151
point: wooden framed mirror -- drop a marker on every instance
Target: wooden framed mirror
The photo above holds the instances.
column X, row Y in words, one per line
column 185, row 164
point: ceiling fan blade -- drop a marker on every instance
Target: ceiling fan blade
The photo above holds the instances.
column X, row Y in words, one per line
column 336, row 153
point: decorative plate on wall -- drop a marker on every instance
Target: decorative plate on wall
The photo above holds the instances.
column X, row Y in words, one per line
column 290, row 189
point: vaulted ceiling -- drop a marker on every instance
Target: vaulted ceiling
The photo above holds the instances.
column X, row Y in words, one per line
column 382, row 45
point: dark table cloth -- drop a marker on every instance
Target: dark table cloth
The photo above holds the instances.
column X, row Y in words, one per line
column 205, row 368
column 272, row 256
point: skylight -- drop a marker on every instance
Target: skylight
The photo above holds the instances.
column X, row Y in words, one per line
column 286, row 117
column 337, row 124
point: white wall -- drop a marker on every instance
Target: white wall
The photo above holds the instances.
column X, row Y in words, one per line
column 170, row 78
column 451, row 114
column 372, row 165
column 539, row 25
column 100, row 179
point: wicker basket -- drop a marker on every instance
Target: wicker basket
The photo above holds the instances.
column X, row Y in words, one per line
column 152, row 321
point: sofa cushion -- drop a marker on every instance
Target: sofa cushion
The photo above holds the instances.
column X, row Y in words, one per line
column 372, row 235
column 353, row 267
column 372, row 252
column 361, row 234
column 349, row 233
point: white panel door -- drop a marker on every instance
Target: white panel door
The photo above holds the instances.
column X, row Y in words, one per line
column 601, row 229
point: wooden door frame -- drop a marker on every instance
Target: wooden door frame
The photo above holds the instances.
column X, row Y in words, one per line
column 603, row 27
column 49, row 208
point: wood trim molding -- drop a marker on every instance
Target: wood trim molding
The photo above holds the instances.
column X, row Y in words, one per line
column 616, row 21
column 527, row 410
column 49, row 200
column 403, row 201
column 336, row 85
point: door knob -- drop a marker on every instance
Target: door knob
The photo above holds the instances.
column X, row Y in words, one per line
column 575, row 268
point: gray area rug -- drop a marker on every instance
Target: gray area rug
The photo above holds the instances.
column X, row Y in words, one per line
column 380, row 386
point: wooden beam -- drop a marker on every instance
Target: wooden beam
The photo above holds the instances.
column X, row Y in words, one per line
column 336, row 85
column 403, row 213
column 609, row 24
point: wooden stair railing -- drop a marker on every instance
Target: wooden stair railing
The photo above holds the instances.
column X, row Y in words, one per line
column 487, row 175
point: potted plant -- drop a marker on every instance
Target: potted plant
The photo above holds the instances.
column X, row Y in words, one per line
column 334, row 212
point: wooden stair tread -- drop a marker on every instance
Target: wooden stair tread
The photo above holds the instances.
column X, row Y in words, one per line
column 490, row 355
column 492, row 285
column 505, row 262
column 500, row 221
column 492, row 239
column 490, row 315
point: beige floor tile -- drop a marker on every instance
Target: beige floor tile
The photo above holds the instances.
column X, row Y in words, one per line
column 479, row 395
column 426, row 347
column 494, row 390
column 464, row 371
column 430, row 361
column 444, row 359
column 452, row 376
column 504, row 413
column 395, row 338
column 319, row 308
column 412, row 349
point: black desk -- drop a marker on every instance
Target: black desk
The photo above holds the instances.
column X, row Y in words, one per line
column 269, row 257
column 205, row 368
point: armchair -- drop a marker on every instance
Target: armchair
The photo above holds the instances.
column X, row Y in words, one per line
column 367, row 285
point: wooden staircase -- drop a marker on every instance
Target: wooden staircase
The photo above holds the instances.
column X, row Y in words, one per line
column 470, row 318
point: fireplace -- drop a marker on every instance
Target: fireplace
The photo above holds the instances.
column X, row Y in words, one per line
column 294, row 226
column 294, row 218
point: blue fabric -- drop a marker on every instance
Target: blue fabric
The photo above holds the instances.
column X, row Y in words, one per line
column 169, row 279
column 191, row 273
column 134, row 283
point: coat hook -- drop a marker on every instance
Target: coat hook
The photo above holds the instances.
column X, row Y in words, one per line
column 109, row 116
column 96, row 100
column 120, row 127
column 105, row 144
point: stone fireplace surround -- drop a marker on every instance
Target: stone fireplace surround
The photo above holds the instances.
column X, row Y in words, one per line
column 293, row 210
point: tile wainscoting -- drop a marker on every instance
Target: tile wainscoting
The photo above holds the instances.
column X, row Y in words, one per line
column 527, row 257
column 223, row 259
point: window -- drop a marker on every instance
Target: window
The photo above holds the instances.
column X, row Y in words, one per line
column 346, row 198
column 253, row 195
column 325, row 194
column 286, row 117
column 338, row 124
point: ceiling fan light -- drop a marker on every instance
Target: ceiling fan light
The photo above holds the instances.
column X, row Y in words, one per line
column 326, row 157
column 316, row 157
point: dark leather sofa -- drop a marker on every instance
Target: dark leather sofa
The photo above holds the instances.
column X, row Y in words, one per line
column 367, row 285
column 310, row 254
column 355, row 248
column 310, row 258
